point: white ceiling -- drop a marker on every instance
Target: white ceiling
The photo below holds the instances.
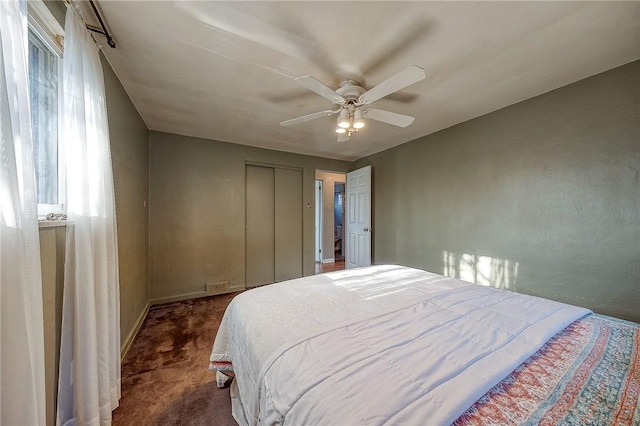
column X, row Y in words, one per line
column 225, row 70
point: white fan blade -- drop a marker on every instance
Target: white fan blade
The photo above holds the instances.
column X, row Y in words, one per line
column 309, row 117
column 404, row 78
column 322, row 90
column 343, row 137
column 388, row 117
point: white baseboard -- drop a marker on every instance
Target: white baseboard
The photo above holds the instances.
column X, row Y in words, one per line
column 134, row 332
column 178, row 298
column 331, row 260
column 187, row 296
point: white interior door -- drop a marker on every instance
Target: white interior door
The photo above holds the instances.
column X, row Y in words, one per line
column 358, row 218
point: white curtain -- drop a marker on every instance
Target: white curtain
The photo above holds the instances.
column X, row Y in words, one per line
column 22, row 399
column 89, row 383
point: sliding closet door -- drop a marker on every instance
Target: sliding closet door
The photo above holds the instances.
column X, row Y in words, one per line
column 274, row 225
column 260, row 263
column 288, row 224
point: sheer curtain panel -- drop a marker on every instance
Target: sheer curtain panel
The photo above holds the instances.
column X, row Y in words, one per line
column 22, row 399
column 89, row 383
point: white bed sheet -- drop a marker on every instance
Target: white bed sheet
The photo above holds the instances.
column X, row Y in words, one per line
column 268, row 332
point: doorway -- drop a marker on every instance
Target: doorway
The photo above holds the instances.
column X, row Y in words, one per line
column 330, row 231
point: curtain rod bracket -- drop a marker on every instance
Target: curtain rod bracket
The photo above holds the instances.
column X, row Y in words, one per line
column 104, row 31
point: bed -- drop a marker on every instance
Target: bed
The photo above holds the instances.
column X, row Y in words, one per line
column 390, row 344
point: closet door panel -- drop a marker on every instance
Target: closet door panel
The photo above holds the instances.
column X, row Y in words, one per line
column 288, row 224
column 260, row 231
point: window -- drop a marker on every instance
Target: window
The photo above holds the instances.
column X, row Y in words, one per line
column 45, row 69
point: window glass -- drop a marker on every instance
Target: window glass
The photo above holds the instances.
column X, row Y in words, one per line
column 44, row 66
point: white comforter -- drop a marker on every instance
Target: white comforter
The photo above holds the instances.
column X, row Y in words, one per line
column 376, row 345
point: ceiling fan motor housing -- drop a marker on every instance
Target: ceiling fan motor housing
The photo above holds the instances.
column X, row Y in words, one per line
column 350, row 90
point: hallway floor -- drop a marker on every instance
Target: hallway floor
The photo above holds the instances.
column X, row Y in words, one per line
column 338, row 265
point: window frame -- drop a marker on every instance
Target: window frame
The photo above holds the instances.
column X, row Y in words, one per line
column 44, row 25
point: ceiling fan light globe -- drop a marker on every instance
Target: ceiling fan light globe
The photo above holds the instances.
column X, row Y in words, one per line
column 343, row 119
column 341, row 130
column 358, row 124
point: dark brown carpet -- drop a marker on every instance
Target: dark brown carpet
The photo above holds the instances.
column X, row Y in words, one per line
column 165, row 380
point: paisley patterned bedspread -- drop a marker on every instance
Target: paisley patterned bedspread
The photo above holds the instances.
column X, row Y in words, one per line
column 588, row 374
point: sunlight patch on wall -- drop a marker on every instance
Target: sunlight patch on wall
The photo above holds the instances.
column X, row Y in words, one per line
column 481, row 270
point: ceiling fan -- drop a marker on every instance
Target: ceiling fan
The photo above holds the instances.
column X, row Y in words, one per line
column 352, row 101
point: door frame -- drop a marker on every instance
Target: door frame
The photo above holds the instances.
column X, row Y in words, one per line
column 319, row 218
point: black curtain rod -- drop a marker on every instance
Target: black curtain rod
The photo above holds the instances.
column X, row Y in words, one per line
column 104, row 31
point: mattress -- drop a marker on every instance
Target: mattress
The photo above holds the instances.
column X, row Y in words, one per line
column 384, row 345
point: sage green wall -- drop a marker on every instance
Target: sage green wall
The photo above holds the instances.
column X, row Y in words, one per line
column 130, row 161
column 542, row 197
column 52, row 248
column 197, row 211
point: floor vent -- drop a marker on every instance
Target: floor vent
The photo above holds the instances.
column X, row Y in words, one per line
column 217, row 288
